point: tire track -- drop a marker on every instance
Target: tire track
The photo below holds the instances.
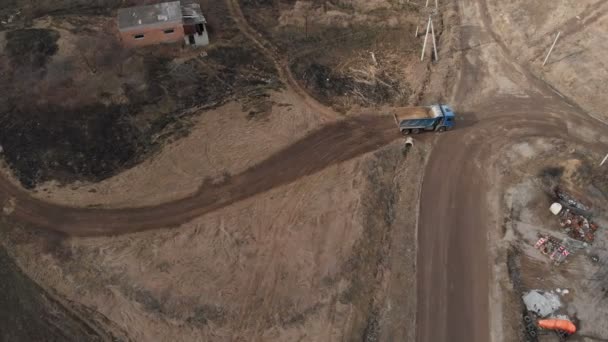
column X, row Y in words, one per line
column 331, row 144
column 281, row 64
column 453, row 262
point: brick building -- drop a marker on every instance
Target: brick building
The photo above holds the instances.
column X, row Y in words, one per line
column 166, row 22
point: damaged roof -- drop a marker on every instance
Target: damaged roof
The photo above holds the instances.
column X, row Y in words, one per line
column 141, row 16
column 192, row 13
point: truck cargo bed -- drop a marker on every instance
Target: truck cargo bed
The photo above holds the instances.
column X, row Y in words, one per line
column 417, row 122
column 413, row 113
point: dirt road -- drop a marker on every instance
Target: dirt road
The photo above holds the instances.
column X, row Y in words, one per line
column 339, row 141
column 502, row 103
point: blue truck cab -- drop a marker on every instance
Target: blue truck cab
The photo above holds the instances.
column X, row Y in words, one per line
column 413, row 120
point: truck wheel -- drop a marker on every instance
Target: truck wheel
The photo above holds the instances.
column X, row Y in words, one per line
column 415, row 131
column 441, row 129
column 405, row 131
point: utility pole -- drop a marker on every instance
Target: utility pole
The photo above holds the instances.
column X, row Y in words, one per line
column 434, row 43
column 551, row 49
column 428, row 26
column 604, row 160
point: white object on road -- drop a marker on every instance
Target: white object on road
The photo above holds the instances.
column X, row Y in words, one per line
column 555, row 208
column 409, row 142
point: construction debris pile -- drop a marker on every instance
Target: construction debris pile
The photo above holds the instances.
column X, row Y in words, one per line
column 552, row 247
column 577, row 226
column 573, row 217
column 542, row 314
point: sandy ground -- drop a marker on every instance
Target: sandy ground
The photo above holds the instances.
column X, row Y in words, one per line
column 316, row 259
column 577, row 67
column 316, row 254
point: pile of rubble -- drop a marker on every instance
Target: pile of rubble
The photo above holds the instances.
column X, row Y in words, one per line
column 543, row 315
column 552, row 247
column 574, row 217
column 577, row 226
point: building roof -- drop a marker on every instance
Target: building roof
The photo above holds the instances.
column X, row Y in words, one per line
column 149, row 15
column 192, row 13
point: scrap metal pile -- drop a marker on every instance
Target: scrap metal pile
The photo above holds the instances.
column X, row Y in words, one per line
column 574, row 217
column 552, row 247
column 577, row 226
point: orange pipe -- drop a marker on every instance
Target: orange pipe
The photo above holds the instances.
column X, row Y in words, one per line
column 557, row 324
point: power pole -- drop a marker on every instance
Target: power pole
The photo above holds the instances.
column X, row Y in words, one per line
column 604, row 160
column 551, row 49
column 434, row 43
column 428, row 26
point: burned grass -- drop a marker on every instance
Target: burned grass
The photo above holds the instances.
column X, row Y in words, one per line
column 51, row 128
column 24, row 304
column 57, row 143
column 31, row 48
column 344, row 56
column 335, row 88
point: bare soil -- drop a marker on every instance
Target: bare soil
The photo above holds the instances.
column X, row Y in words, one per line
column 577, row 66
column 315, row 259
column 286, row 229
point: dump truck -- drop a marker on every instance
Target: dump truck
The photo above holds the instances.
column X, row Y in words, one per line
column 413, row 120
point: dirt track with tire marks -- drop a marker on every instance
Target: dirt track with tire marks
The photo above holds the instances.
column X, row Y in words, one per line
column 454, row 266
column 334, row 143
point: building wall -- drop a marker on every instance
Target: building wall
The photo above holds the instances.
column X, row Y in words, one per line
column 153, row 35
